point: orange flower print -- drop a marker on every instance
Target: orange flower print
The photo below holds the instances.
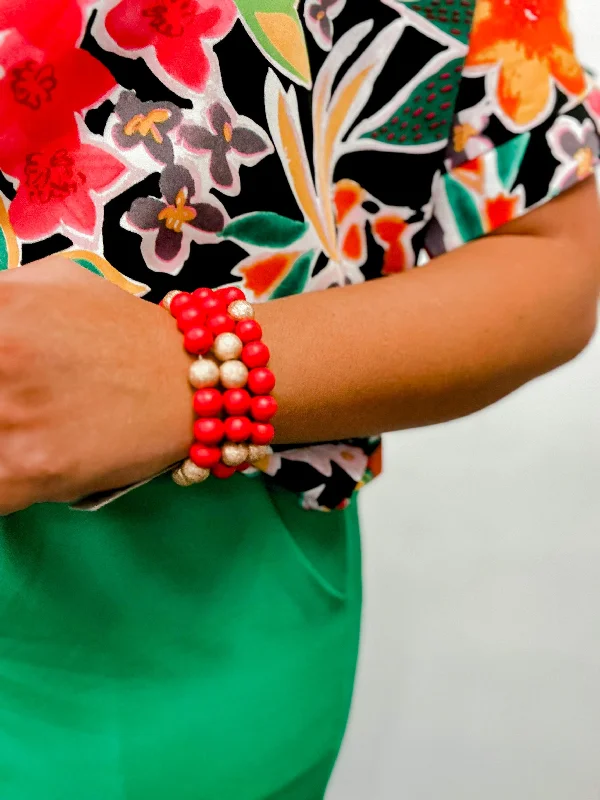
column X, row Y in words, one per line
column 530, row 43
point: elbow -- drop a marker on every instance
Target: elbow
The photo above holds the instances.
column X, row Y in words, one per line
column 580, row 333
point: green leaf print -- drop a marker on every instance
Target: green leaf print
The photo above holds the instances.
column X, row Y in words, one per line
column 3, row 251
column 276, row 28
column 265, row 229
column 83, row 262
column 295, row 281
column 510, row 157
column 466, row 213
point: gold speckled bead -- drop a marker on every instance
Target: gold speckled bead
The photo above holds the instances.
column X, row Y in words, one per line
column 234, row 454
column 204, row 373
column 227, row 347
column 166, row 301
column 257, row 452
column 189, row 473
column 241, row 309
column 234, row 374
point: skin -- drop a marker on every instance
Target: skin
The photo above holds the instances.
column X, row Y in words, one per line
column 93, row 382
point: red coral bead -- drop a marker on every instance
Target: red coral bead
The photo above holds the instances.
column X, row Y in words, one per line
column 248, row 330
column 208, row 402
column 190, row 317
column 263, row 408
column 204, row 456
column 200, row 294
column 221, row 323
column 237, row 402
column 212, row 305
column 179, row 302
column 229, row 294
column 198, row 341
column 238, row 429
column 262, row 433
column 261, row 381
column 222, row 471
column 255, row 354
column 209, row 430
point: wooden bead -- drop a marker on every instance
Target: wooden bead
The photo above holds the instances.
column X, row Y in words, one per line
column 209, row 430
column 238, row 429
column 263, row 408
column 229, row 294
column 249, row 330
column 255, row 354
column 232, row 454
column 204, row 456
column 227, row 347
column 208, row 402
column 256, row 452
column 234, row 374
column 236, row 402
column 261, row 381
column 222, row 471
column 240, row 309
column 204, row 373
column 168, row 299
column 198, row 341
column 262, row 433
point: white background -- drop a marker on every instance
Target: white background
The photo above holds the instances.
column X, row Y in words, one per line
column 480, row 664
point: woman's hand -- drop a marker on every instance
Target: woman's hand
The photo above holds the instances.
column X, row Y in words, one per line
column 93, row 386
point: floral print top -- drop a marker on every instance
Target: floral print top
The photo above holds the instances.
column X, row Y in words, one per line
column 285, row 145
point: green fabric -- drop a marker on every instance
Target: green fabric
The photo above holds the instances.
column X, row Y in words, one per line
column 195, row 644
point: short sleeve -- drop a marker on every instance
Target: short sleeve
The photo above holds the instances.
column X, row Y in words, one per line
column 526, row 123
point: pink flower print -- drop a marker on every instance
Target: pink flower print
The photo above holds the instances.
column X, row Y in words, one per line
column 176, row 30
column 56, row 186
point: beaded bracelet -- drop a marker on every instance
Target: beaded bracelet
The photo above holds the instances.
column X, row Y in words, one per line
column 233, row 400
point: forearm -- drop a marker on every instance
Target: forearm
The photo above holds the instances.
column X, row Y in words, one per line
column 430, row 345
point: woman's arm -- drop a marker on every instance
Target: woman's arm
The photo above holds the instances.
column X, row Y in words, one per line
column 93, row 382
column 438, row 343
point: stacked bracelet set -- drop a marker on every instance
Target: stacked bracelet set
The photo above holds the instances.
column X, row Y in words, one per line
column 233, row 383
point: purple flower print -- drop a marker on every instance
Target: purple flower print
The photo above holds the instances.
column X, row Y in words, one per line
column 175, row 219
column 224, row 142
column 319, row 16
column 148, row 124
column 577, row 146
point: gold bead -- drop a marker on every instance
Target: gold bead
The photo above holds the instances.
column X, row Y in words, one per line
column 167, row 300
column 234, row 454
column 204, row 373
column 241, row 309
column 189, row 473
column 180, row 479
column 234, row 374
column 257, row 452
column 227, row 347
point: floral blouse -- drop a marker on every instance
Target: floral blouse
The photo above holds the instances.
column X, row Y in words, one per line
column 288, row 146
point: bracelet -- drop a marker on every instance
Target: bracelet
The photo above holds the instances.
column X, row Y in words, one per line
column 233, row 401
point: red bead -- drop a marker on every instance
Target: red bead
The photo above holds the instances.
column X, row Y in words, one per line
column 208, row 402
column 198, row 341
column 204, row 456
column 249, row 330
column 262, row 433
column 242, row 467
column 229, row 294
column 179, row 302
column 263, row 408
column 222, row 471
column 190, row 317
column 255, row 354
column 261, row 381
column 238, row 429
column 221, row 323
column 200, row 294
column 209, row 431
column 212, row 305
column 236, row 402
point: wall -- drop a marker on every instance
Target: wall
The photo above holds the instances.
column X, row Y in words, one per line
column 480, row 666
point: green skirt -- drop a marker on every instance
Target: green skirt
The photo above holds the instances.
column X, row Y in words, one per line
column 178, row 645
